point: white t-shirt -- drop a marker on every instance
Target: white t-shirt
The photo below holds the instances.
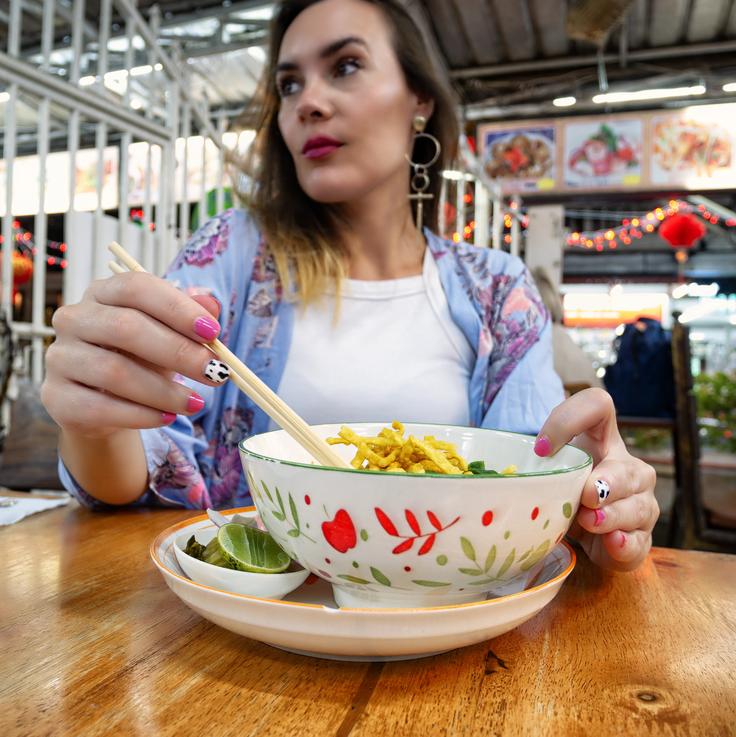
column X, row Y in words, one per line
column 394, row 354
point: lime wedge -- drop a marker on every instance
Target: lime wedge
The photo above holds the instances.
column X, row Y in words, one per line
column 245, row 549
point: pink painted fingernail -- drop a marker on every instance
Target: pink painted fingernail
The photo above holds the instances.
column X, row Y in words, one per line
column 622, row 540
column 167, row 417
column 207, row 328
column 542, row 447
column 600, row 516
column 194, row 403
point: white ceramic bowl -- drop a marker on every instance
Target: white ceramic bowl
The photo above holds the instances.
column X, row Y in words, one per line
column 265, row 585
column 406, row 540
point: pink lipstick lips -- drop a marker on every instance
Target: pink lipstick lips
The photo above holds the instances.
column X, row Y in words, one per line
column 320, row 146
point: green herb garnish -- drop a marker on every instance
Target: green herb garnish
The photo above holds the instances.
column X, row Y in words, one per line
column 195, row 549
column 478, row 468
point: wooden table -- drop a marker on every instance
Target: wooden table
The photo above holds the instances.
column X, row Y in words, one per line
column 94, row 643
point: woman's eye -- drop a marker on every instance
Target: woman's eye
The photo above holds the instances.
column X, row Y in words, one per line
column 287, row 87
column 346, row 67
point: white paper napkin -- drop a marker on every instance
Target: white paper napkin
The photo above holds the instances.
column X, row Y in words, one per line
column 20, row 507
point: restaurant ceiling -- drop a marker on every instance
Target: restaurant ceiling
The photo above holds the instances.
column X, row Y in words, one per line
column 501, row 57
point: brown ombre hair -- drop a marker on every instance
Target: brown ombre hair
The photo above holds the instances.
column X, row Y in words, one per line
column 302, row 234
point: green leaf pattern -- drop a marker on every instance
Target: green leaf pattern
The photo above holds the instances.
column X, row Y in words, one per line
column 380, row 577
column 468, row 548
column 294, row 513
column 527, row 560
column 434, row 584
column 490, row 559
column 507, row 563
column 536, row 556
column 278, row 510
column 353, row 579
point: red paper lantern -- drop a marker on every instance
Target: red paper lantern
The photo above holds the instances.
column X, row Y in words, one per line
column 682, row 230
column 22, row 268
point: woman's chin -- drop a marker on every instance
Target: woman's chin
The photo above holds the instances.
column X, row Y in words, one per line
column 331, row 188
column 330, row 195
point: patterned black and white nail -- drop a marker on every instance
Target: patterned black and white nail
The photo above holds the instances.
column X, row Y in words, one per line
column 217, row 371
column 603, row 489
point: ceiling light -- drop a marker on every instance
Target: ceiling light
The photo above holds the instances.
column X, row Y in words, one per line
column 730, row 87
column 653, row 94
column 4, row 96
column 680, row 291
column 456, row 176
column 138, row 71
column 703, row 290
column 564, row 101
column 86, row 81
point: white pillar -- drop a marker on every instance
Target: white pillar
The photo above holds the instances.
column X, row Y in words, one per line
column 482, row 215
column 515, row 227
column 497, row 229
column 545, row 240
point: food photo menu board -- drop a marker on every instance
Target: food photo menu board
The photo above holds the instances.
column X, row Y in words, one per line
column 603, row 153
column 524, row 158
column 695, row 147
column 690, row 148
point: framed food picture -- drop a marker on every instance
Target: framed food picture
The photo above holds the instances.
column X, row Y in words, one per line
column 694, row 147
column 603, row 153
column 520, row 158
column 85, row 196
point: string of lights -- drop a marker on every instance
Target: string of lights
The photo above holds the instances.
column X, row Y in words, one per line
column 635, row 228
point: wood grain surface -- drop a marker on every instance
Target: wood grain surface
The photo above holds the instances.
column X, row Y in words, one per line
column 94, row 643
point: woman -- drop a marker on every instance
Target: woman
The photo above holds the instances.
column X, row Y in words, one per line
column 571, row 364
column 424, row 329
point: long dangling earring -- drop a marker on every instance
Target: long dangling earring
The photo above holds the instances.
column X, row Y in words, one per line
column 420, row 177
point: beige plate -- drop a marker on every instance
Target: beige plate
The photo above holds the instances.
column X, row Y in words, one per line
column 308, row 621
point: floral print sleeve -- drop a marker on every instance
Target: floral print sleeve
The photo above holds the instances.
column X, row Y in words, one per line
column 521, row 385
column 194, row 462
column 495, row 302
column 515, row 316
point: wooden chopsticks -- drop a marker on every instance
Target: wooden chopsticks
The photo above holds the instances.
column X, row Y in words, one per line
column 280, row 412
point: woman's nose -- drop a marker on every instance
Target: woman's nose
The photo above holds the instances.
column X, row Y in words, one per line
column 314, row 101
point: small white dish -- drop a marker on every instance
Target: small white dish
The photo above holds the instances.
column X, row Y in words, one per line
column 308, row 621
column 263, row 585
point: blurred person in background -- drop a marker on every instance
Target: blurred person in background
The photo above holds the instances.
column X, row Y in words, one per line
column 572, row 364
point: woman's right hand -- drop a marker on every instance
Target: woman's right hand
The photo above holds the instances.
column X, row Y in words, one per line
column 116, row 353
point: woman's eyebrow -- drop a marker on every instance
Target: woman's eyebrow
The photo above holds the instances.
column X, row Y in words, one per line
column 327, row 51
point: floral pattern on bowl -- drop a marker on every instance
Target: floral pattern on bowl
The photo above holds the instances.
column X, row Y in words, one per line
column 406, row 540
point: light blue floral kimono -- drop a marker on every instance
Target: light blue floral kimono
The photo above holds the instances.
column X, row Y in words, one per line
column 194, row 463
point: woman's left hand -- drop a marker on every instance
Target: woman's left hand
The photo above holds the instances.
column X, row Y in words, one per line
column 618, row 509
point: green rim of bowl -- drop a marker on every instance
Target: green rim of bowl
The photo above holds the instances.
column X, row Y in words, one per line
column 270, row 459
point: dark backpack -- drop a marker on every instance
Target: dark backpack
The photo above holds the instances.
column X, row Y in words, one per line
column 641, row 381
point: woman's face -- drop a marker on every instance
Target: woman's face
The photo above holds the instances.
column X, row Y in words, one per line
column 346, row 112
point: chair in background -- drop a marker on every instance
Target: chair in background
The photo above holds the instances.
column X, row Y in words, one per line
column 28, row 454
column 696, row 522
column 7, row 353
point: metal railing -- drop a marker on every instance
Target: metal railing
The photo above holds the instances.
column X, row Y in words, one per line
column 82, row 101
